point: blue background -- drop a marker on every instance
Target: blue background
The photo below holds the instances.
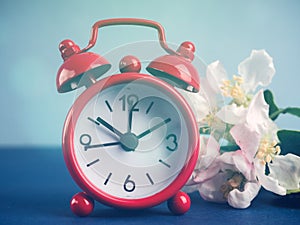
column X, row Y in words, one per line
column 32, row 112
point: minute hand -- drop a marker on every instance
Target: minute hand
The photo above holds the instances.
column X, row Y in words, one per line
column 154, row 128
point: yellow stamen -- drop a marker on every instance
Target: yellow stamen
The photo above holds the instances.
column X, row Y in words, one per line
column 233, row 89
column 226, row 88
column 278, row 150
column 238, row 79
column 209, row 119
column 267, row 150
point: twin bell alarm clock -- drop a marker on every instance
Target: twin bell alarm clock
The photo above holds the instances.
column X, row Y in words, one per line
column 130, row 140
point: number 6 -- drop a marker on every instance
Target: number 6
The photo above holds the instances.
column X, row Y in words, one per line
column 129, row 185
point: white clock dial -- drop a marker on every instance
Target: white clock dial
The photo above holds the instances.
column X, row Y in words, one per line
column 131, row 140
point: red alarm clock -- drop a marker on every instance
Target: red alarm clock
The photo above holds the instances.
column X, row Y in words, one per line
column 130, row 140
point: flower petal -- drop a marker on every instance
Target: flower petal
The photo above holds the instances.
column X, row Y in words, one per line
column 258, row 113
column 204, row 175
column 243, row 165
column 232, row 114
column 209, row 151
column 286, row 169
column 210, row 189
column 236, row 161
column 212, row 147
column 213, row 98
column 242, row 199
column 257, row 70
column 246, row 139
column 199, row 104
column 268, row 182
column 216, row 74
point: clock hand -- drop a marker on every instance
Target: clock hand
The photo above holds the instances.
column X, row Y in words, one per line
column 132, row 109
column 86, row 147
column 154, row 128
column 94, row 121
column 110, row 127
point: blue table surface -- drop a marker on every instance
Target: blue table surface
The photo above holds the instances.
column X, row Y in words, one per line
column 36, row 189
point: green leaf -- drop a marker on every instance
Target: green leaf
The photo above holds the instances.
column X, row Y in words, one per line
column 289, row 141
column 204, row 130
column 229, row 148
column 290, row 110
column 274, row 111
column 272, row 106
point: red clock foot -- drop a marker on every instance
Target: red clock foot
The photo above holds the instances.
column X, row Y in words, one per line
column 81, row 204
column 180, row 203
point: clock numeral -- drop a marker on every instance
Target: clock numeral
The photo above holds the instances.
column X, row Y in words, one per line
column 129, row 185
column 85, row 139
column 129, row 101
column 173, row 145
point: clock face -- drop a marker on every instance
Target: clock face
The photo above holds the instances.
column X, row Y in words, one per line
column 131, row 140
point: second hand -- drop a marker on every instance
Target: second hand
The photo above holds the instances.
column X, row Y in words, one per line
column 101, row 145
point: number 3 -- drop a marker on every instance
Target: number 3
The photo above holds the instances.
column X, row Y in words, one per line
column 174, row 143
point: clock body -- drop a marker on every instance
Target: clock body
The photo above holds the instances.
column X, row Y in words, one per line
column 131, row 141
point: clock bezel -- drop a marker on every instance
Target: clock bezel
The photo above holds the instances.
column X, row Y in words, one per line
column 96, row 193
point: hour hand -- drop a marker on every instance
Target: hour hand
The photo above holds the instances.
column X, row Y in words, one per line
column 109, row 127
